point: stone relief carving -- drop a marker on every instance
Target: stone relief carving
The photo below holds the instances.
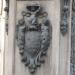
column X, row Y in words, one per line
column 64, row 16
column 33, row 36
column 73, row 40
column 7, row 15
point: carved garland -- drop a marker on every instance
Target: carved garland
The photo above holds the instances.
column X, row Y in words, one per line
column 73, row 40
column 64, row 16
column 7, row 15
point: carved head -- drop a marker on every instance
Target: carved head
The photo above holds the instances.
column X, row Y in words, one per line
column 34, row 14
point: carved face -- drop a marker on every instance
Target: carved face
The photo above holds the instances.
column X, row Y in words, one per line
column 34, row 16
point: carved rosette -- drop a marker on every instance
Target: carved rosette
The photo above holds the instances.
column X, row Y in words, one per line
column 33, row 36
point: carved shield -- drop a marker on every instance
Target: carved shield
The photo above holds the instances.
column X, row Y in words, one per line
column 33, row 36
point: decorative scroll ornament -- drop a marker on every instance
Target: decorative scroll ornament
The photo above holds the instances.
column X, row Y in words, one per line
column 33, row 36
column 64, row 16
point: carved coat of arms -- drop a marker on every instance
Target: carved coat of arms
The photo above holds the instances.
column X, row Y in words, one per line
column 33, row 36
